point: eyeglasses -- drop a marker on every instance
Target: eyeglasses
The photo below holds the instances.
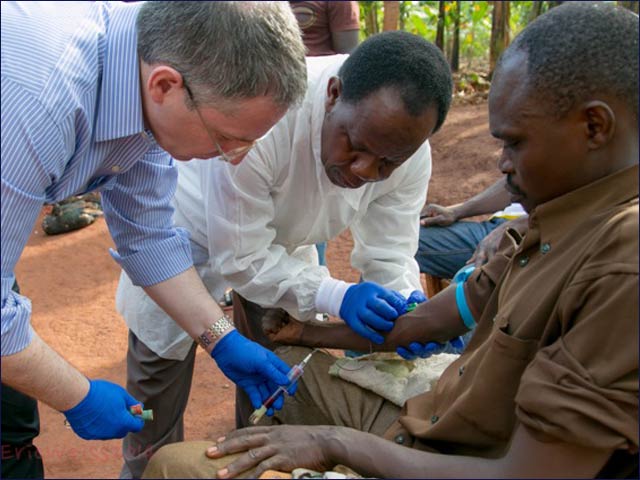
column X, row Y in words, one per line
column 228, row 156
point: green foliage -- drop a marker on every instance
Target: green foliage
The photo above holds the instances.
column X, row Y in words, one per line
column 421, row 18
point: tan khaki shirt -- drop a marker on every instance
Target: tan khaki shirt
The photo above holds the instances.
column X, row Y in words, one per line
column 556, row 346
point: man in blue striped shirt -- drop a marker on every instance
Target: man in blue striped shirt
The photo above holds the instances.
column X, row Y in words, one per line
column 100, row 97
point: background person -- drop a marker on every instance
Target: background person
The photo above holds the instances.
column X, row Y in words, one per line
column 447, row 243
column 328, row 28
column 97, row 96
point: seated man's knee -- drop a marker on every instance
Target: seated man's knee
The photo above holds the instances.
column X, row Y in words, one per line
column 184, row 460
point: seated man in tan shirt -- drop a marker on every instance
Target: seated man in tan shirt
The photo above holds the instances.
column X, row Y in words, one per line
column 548, row 385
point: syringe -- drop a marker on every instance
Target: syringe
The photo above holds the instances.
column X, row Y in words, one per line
column 294, row 374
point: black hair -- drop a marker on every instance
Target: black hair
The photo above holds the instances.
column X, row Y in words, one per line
column 580, row 49
column 407, row 62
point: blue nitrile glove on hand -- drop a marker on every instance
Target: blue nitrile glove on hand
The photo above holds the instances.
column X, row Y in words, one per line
column 369, row 308
column 104, row 413
column 431, row 348
column 417, row 296
column 252, row 367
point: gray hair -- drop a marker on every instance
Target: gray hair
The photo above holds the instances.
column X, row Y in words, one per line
column 227, row 50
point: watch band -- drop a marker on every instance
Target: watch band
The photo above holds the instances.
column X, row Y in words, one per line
column 215, row 332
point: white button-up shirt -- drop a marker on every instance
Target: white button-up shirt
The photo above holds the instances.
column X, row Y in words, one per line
column 254, row 226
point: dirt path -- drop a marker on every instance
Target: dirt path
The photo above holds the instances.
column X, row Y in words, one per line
column 71, row 280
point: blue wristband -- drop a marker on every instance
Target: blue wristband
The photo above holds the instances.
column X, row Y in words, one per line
column 461, row 301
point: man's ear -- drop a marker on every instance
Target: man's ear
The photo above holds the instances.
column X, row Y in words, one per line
column 162, row 81
column 334, row 89
column 600, row 123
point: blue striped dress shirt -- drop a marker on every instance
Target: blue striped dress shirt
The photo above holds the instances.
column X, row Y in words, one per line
column 72, row 122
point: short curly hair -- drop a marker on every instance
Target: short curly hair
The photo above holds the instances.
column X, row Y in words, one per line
column 580, row 49
column 416, row 67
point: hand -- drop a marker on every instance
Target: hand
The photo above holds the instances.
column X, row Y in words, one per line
column 416, row 349
column 281, row 447
column 104, row 413
column 287, row 334
column 433, row 214
column 369, row 308
column 252, row 367
column 417, row 296
column 274, row 320
column 488, row 247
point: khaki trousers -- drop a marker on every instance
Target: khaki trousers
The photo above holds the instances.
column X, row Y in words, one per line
column 320, row 400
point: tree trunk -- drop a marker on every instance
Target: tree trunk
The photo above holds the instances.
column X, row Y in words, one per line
column 499, row 32
column 440, row 30
column 455, row 49
column 536, row 10
column 391, row 16
column 633, row 6
column 371, row 18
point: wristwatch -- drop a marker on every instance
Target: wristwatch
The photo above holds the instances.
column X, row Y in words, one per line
column 215, row 332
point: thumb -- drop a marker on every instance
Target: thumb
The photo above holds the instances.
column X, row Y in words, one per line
column 131, row 423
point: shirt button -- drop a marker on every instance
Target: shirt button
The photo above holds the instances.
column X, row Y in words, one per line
column 434, row 419
column 523, row 261
column 545, row 248
column 461, row 371
column 399, row 439
column 115, row 168
column 144, row 135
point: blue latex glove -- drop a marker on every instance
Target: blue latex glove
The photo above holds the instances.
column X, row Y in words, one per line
column 104, row 413
column 431, row 348
column 417, row 296
column 369, row 308
column 252, row 367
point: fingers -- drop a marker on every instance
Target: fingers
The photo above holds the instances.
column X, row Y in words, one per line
column 386, row 305
column 131, row 423
column 374, row 321
column 364, row 331
column 274, row 369
column 457, row 342
column 254, row 395
column 429, row 221
column 406, row 354
column 417, row 296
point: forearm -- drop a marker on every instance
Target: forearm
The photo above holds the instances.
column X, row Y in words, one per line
column 187, row 301
column 526, row 457
column 490, row 200
column 38, row 371
column 437, row 320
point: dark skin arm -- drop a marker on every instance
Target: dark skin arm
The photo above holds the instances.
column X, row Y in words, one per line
column 320, row 448
column 436, row 320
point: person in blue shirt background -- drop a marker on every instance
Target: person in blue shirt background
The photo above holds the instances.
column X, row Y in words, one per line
column 101, row 96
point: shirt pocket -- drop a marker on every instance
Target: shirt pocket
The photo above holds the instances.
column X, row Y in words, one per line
column 488, row 403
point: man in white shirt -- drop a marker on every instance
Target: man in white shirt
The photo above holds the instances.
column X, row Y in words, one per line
column 353, row 155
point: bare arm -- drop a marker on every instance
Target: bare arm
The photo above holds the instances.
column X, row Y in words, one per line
column 41, row 373
column 527, row 457
column 187, row 301
column 287, row 447
column 344, row 41
column 437, row 320
column 490, row 200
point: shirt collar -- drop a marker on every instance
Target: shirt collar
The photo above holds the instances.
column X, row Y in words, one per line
column 561, row 215
column 120, row 103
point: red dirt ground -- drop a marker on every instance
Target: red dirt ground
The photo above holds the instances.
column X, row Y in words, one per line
column 71, row 280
